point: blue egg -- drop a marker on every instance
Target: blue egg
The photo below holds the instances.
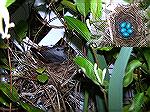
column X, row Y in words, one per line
column 128, row 25
column 126, row 35
column 123, row 24
column 130, row 31
column 123, row 30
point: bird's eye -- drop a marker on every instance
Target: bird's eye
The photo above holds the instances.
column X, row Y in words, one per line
column 57, row 49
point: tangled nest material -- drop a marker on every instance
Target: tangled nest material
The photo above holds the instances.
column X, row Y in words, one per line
column 108, row 31
column 60, row 93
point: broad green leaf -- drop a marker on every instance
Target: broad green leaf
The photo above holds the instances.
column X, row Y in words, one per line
column 83, row 6
column 5, row 88
column 138, row 102
column 9, row 2
column 90, row 56
column 86, row 99
column 115, row 92
column 99, row 74
column 146, row 53
column 42, row 78
column 145, row 4
column 40, row 70
column 148, row 91
column 147, row 13
column 87, row 68
column 21, row 30
column 104, row 48
column 3, row 100
column 69, row 5
column 78, row 26
column 128, row 78
column 103, row 65
column 126, row 108
column 100, row 104
column 96, row 8
column 29, row 107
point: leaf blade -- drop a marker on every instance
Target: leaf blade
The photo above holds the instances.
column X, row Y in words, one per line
column 9, row 2
column 83, row 6
column 128, row 78
column 96, row 8
column 78, row 26
column 87, row 68
column 5, row 88
column 116, row 81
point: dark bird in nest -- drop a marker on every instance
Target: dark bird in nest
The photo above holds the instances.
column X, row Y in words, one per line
column 50, row 54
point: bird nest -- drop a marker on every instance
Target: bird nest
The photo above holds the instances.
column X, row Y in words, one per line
column 128, row 13
column 60, row 93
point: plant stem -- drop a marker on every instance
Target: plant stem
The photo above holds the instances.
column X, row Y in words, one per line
column 103, row 90
column 105, row 97
column 95, row 56
column 10, row 69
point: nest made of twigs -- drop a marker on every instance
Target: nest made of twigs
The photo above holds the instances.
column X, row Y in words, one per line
column 128, row 13
column 60, row 93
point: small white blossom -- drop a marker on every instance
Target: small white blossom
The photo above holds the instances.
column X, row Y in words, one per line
column 4, row 14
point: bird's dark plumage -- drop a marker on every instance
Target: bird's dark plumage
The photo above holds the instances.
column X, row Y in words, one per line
column 50, row 54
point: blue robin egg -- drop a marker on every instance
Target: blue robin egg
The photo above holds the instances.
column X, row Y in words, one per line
column 126, row 35
column 130, row 31
column 123, row 24
column 128, row 25
column 123, row 30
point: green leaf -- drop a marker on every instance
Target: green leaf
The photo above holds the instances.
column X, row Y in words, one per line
column 3, row 100
column 29, row 107
column 21, row 30
column 40, row 70
column 100, row 104
column 145, row 4
column 83, row 6
column 148, row 91
column 103, row 65
column 104, row 48
column 42, row 78
column 99, row 74
column 147, row 13
column 87, row 68
column 146, row 53
column 5, row 88
column 3, row 45
column 138, row 102
column 96, row 8
column 86, row 99
column 4, row 61
column 9, row 2
column 126, row 108
column 128, row 78
column 69, row 5
column 115, row 92
column 79, row 27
